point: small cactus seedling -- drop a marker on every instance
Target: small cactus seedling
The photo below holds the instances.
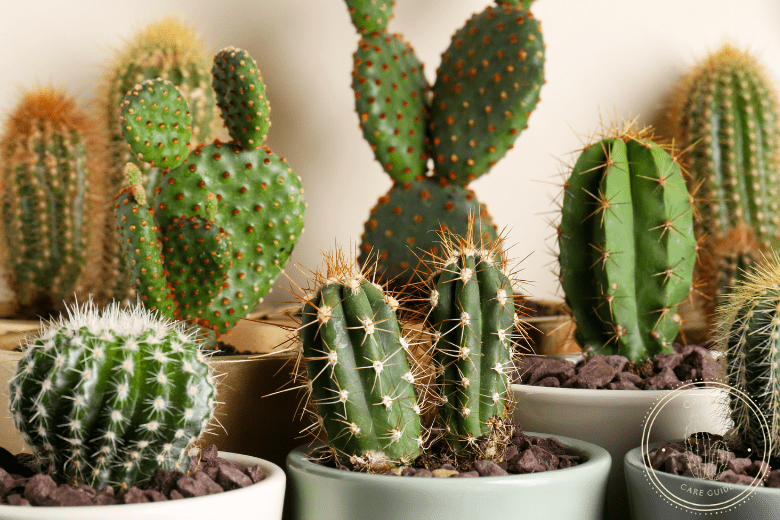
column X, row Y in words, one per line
column 627, row 246
column 486, row 88
column 106, row 398
column 50, row 185
column 748, row 332
column 232, row 211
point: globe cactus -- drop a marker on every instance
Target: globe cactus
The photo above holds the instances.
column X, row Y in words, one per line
column 106, row 398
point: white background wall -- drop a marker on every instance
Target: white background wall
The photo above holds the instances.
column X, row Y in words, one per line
column 606, row 59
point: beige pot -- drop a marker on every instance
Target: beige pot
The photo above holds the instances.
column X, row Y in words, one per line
column 553, row 333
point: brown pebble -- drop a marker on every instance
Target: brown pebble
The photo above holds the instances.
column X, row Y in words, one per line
column 189, row 487
column 488, row 468
column 155, row 496
column 39, row 488
column 231, row 478
column 15, row 499
column 466, row 474
column 255, row 473
column 209, row 484
column 134, row 495
column 423, row 472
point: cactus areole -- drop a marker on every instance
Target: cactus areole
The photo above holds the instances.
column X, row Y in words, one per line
column 627, row 247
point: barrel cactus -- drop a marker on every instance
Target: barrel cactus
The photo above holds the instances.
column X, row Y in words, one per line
column 627, row 245
column 105, row 398
column 225, row 217
column 748, row 331
column 486, row 88
column 50, row 187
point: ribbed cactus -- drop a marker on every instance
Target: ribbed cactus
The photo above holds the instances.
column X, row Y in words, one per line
column 627, row 246
column 361, row 383
column 106, row 398
column 474, row 322
column 170, row 50
column 49, row 184
column 234, row 209
column 749, row 333
column 485, row 89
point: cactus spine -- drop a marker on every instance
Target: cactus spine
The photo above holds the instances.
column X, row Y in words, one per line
column 748, row 331
column 627, row 246
column 104, row 399
column 49, row 185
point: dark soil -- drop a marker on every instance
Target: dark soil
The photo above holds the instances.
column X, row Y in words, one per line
column 689, row 363
column 209, row 474
column 708, row 456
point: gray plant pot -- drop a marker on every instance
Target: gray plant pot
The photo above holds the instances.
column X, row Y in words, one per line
column 576, row 493
column 655, row 495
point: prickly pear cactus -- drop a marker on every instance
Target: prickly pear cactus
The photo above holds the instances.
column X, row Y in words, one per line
column 48, row 187
column 370, row 15
column 106, row 398
column 748, row 331
column 627, row 246
column 362, row 386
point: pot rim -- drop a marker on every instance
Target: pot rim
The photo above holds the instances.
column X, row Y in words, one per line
column 604, row 394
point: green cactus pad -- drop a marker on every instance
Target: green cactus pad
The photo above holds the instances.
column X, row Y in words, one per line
column 156, row 123
column 404, row 223
column 486, row 88
column 260, row 207
column 390, row 99
column 627, row 248
column 107, row 398
column 369, row 16
column 241, row 97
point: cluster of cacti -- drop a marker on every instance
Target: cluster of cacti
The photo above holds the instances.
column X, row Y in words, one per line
column 50, row 186
column 486, row 87
column 170, row 50
column 748, row 332
column 387, row 385
column 106, row 398
column 627, row 245
column 225, row 217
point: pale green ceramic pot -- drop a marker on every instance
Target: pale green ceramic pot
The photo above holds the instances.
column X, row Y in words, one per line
column 656, row 495
column 576, row 493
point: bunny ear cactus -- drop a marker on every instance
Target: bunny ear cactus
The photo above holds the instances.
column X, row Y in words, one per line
column 49, row 187
column 106, row 398
column 748, row 331
column 627, row 246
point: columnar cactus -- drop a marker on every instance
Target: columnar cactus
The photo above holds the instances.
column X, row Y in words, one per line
column 361, row 383
column 627, row 246
column 241, row 206
column 105, row 399
column 749, row 333
column 49, row 183
column 486, row 88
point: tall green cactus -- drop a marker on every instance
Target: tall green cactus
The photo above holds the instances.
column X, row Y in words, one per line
column 356, row 358
column 627, row 246
column 241, row 206
column 748, row 332
column 106, row 398
column 49, row 183
column 485, row 89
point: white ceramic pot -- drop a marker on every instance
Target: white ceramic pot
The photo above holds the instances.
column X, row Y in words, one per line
column 576, row 493
column 615, row 420
column 261, row 501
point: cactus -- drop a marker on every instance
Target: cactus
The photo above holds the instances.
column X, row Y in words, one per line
column 748, row 331
column 486, row 88
column 361, row 383
column 627, row 246
column 170, row 50
column 242, row 208
column 106, row 398
column 50, row 181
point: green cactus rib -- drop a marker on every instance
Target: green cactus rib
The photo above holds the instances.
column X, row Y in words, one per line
column 406, row 219
column 105, row 399
column 728, row 118
column 748, row 331
column 627, row 248
column 473, row 316
column 156, row 122
column 361, row 383
column 390, row 98
column 369, row 16
column 486, row 88
column 241, row 97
